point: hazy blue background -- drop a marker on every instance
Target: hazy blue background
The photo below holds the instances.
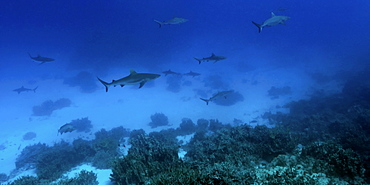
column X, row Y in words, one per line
column 99, row 35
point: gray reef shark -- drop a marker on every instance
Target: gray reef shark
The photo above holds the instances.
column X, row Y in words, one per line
column 191, row 73
column 273, row 20
column 23, row 89
column 169, row 72
column 175, row 20
column 132, row 79
column 213, row 57
column 217, row 95
column 41, row 59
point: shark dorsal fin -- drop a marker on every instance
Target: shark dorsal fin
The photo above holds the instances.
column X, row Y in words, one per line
column 272, row 14
column 213, row 54
column 132, row 72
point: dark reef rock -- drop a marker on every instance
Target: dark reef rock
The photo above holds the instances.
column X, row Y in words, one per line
column 82, row 125
column 158, row 119
column 174, row 83
column 276, row 92
column 186, row 127
column 47, row 107
column 215, row 82
column 230, row 99
column 29, row 136
column 3, row 177
column 85, row 80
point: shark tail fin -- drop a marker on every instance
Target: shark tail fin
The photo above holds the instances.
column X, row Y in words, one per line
column 29, row 55
column 34, row 90
column 207, row 101
column 258, row 25
column 199, row 60
column 106, row 85
column 159, row 22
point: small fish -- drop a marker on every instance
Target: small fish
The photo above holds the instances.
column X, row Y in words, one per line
column 132, row 79
column 41, row 59
column 169, row 72
column 213, row 57
column 66, row 128
column 175, row 20
column 191, row 73
column 273, row 20
column 217, row 95
column 23, row 89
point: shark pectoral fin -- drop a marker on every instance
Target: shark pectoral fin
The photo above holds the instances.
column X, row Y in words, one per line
column 122, row 85
column 141, row 84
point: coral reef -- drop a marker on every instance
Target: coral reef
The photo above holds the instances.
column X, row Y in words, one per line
column 146, row 158
column 242, row 142
column 215, row 125
column 83, row 178
column 338, row 161
column 106, row 145
column 29, row 156
column 323, row 140
column 27, row 180
column 51, row 162
column 56, row 160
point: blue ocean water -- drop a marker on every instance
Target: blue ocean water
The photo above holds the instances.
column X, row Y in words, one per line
column 322, row 42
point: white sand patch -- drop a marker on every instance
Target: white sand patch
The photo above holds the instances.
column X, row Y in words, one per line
column 102, row 175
